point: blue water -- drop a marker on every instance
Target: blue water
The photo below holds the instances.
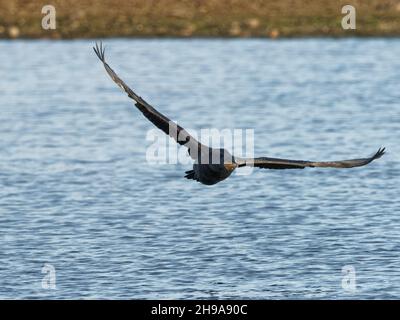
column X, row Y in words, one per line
column 76, row 191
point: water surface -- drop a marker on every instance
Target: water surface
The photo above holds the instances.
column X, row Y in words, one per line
column 76, row 191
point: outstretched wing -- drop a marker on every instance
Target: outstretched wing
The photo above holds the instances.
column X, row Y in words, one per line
column 172, row 129
column 275, row 163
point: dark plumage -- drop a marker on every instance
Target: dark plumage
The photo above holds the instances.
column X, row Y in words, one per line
column 211, row 172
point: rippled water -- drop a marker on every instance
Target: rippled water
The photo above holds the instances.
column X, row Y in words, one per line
column 76, row 191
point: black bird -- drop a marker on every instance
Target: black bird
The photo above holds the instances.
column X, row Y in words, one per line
column 214, row 165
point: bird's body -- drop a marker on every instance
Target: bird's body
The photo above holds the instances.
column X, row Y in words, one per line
column 214, row 165
column 210, row 170
column 209, row 174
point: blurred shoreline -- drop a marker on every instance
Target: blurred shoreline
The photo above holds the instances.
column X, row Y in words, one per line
column 198, row 19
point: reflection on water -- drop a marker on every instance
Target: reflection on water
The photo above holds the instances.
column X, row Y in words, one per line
column 77, row 193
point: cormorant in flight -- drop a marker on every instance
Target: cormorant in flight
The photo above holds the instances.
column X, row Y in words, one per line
column 214, row 165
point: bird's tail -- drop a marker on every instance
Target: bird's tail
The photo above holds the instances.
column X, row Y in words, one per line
column 190, row 175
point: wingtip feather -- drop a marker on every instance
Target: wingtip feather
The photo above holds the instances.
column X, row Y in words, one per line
column 100, row 51
column 379, row 153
